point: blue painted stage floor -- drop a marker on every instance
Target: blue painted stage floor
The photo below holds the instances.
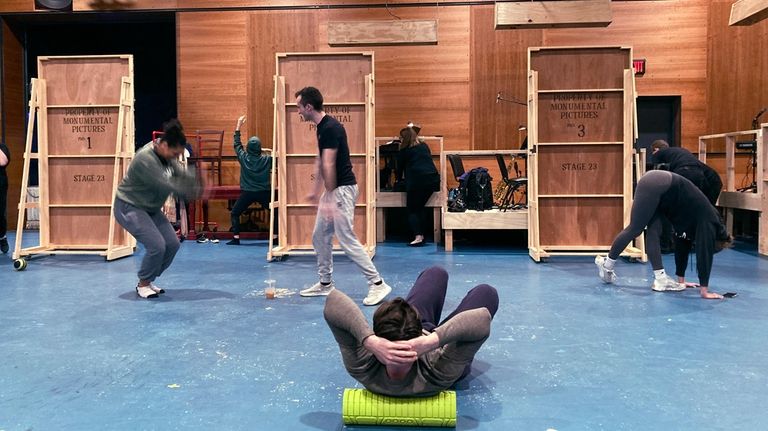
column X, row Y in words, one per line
column 80, row 351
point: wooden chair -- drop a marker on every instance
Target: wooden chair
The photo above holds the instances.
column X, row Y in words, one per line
column 209, row 146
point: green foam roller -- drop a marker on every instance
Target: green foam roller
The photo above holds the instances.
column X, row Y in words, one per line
column 362, row 407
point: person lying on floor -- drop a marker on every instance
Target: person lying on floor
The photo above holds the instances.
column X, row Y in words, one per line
column 407, row 353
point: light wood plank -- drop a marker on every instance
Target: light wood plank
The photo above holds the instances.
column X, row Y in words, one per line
column 748, row 12
column 391, row 32
column 548, row 14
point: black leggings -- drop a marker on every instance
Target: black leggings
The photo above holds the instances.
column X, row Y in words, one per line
column 3, row 206
column 244, row 201
column 644, row 213
column 416, row 199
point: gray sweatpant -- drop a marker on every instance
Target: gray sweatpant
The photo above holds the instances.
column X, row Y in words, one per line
column 340, row 221
column 644, row 213
column 155, row 232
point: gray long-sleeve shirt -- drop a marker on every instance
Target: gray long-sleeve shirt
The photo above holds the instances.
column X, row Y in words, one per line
column 460, row 338
column 150, row 180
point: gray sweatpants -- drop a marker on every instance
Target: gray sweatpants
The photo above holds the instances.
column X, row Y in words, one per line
column 340, row 221
column 155, row 232
column 644, row 213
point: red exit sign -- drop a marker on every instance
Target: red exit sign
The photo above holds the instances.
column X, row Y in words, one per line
column 639, row 66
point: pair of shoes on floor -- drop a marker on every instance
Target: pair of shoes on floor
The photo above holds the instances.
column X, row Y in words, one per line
column 667, row 284
column 203, row 240
column 605, row 274
column 318, row 289
column 377, row 293
column 4, row 245
column 151, row 291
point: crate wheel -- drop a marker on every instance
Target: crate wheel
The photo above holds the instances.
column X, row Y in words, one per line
column 20, row 264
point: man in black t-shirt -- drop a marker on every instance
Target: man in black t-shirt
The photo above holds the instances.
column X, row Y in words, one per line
column 684, row 163
column 5, row 158
column 336, row 204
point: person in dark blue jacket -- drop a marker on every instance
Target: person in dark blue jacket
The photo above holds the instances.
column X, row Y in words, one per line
column 255, row 168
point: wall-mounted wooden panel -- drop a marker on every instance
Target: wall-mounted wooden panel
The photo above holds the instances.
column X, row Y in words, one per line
column 748, row 12
column 14, row 114
column 541, row 14
column 212, row 86
column 736, row 88
column 382, row 32
column 499, row 61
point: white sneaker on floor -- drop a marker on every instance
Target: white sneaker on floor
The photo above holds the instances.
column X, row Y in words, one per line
column 318, row 289
column 667, row 284
column 377, row 293
column 156, row 288
column 607, row 275
column 145, row 292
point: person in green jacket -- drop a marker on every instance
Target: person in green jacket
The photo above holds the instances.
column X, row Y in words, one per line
column 153, row 175
column 254, row 178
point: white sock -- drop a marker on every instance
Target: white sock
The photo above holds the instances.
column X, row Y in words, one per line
column 658, row 274
column 609, row 263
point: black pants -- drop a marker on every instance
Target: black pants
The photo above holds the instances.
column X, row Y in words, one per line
column 416, row 199
column 244, row 201
column 3, row 205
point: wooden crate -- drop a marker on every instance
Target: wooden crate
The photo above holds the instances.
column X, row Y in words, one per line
column 346, row 82
column 82, row 107
column 581, row 129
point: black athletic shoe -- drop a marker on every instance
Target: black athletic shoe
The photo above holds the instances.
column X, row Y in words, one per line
column 4, row 245
column 234, row 241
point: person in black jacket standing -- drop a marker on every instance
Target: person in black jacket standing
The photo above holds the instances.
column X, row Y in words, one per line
column 421, row 179
column 684, row 163
column 5, row 158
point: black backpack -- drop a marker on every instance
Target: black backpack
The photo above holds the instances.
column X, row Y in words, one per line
column 478, row 189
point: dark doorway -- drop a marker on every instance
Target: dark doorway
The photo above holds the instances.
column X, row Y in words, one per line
column 658, row 117
column 150, row 38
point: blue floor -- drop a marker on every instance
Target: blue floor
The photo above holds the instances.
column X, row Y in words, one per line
column 79, row 351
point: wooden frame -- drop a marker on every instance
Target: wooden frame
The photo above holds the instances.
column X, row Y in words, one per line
column 581, row 129
column 389, row 199
column 731, row 198
column 470, row 219
column 83, row 109
column 346, row 80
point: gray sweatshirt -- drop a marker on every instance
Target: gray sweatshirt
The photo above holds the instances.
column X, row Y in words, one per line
column 460, row 338
column 150, row 180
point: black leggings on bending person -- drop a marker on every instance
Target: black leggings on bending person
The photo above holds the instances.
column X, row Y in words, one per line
column 644, row 213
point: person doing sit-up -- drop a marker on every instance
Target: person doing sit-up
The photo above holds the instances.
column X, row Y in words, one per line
column 407, row 353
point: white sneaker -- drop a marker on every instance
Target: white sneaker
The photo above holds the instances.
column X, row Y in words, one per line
column 667, row 284
column 377, row 293
column 156, row 288
column 318, row 289
column 607, row 275
column 146, row 292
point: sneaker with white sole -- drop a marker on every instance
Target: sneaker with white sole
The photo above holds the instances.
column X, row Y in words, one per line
column 607, row 275
column 145, row 292
column 318, row 289
column 377, row 293
column 156, row 288
column 667, row 284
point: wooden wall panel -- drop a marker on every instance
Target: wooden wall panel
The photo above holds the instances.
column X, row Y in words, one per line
column 738, row 83
column 499, row 63
column 427, row 84
column 672, row 36
column 212, row 85
column 15, row 124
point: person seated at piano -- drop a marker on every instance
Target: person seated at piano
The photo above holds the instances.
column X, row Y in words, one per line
column 421, row 178
column 255, row 168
